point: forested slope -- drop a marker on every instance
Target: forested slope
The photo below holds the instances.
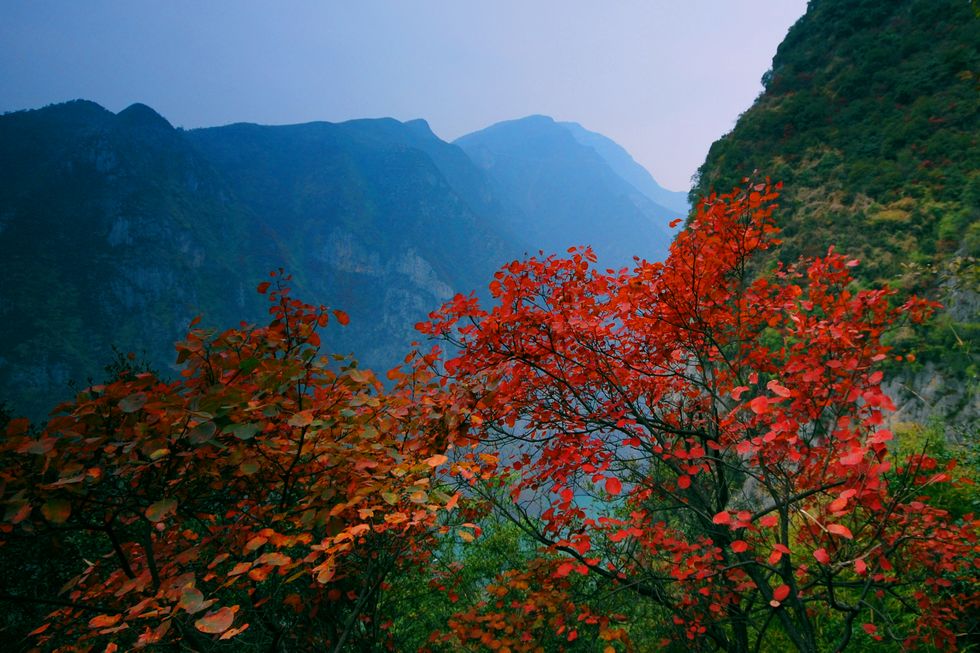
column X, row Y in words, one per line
column 870, row 118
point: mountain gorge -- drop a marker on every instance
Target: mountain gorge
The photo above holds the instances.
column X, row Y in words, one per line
column 118, row 229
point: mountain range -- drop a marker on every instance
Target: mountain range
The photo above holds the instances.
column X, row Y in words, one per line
column 116, row 230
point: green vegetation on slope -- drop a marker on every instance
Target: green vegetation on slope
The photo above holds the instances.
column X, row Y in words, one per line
column 870, row 118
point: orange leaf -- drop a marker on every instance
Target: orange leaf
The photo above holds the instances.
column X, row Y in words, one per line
column 217, row 621
column 453, row 500
column 234, row 631
column 436, row 460
column 304, row 418
column 40, row 629
column 104, row 620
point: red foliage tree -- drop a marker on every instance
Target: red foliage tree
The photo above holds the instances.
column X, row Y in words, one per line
column 264, row 496
column 713, row 440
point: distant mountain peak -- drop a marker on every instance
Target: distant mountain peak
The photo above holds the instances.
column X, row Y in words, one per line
column 138, row 114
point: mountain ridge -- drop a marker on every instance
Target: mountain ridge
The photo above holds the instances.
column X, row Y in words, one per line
column 542, row 168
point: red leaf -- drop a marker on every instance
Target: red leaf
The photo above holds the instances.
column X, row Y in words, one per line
column 780, row 390
column 263, row 287
column 684, row 482
column 822, row 556
column 613, row 486
column 837, row 505
column 722, row 518
column 781, row 592
column 839, row 529
column 759, row 405
column 740, row 546
column 871, row 629
column 853, row 458
column 564, row 569
column 341, row 317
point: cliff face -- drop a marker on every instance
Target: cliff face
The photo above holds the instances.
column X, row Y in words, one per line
column 870, row 118
column 100, row 244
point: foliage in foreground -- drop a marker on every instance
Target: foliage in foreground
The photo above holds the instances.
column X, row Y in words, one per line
column 265, row 496
column 687, row 457
column 713, row 442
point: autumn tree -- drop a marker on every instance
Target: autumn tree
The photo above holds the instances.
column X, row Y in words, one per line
column 262, row 500
column 713, row 441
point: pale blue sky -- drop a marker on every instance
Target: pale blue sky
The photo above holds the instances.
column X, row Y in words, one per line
column 664, row 78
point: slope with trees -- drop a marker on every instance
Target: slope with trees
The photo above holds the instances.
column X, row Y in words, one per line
column 870, row 117
column 687, row 454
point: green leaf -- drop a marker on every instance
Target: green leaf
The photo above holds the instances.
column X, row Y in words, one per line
column 202, row 432
column 249, row 467
column 390, row 497
column 133, row 402
column 192, row 600
column 248, row 365
column 243, row 431
column 159, row 511
column 56, row 511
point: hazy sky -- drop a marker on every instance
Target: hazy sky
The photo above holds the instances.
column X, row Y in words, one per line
column 664, row 78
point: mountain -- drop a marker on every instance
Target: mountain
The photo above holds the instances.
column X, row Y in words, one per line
column 559, row 192
column 110, row 232
column 623, row 164
column 376, row 216
column 870, row 118
column 118, row 229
